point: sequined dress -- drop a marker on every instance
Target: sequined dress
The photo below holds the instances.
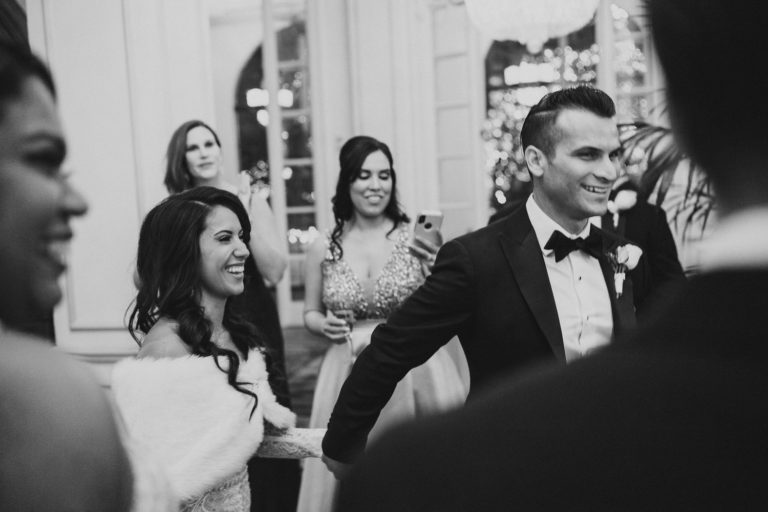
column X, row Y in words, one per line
column 434, row 386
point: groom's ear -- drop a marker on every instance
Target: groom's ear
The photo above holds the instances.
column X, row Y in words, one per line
column 535, row 159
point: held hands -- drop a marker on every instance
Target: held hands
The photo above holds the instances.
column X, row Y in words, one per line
column 425, row 250
column 339, row 469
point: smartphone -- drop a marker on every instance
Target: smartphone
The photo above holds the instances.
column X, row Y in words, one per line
column 428, row 224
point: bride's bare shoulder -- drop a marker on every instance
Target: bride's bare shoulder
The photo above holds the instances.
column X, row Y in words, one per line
column 163, row 341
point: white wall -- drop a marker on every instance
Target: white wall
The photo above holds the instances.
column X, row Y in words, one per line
column 428, row 113
column 124, row 83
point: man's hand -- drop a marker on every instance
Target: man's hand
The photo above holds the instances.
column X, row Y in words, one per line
column 339, row 469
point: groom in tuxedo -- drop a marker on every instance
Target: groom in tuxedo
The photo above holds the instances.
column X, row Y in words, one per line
column 673, row 419
column 537, row 287
column 646, row 226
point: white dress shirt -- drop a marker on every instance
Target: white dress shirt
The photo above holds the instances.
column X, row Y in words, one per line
column 581, row 294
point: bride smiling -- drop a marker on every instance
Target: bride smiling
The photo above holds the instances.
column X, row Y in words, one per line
column 197, row 394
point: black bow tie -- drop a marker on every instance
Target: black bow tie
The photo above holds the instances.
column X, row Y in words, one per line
column 562, row 245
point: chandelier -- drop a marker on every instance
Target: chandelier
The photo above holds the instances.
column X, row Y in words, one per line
column 531, row 22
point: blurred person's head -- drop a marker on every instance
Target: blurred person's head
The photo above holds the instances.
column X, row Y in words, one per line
column 716, row 96
column 60, row 446
column 36, row 199
column 571, row 146
column 193, row 157
column 367, row 184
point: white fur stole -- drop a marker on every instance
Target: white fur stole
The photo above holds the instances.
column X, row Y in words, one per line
column 187, row 415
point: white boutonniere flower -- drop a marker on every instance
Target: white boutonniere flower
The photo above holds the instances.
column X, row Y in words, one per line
column 624, row 200
column 624, row 259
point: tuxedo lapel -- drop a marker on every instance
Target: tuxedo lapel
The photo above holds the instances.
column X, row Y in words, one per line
column 522, row 250
column 606, row 224
column 622, row 308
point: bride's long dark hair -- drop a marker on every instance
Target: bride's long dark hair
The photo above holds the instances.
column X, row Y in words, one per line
column 168, row 277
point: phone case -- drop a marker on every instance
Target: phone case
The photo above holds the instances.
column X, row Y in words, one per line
column 428, row 224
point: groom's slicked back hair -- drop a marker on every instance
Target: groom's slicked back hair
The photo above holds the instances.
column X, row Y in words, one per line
column 539, row 125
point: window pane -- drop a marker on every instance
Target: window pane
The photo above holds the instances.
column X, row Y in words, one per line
column 294, row 101
column 292, row 39
column 302, row 231
column 296, row 268
column 299, row 188
column 297, row 139
column 293, row 89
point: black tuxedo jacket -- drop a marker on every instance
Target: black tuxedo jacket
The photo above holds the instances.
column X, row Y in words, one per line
column 489, row 287
column 674, row 419
column 646, row 226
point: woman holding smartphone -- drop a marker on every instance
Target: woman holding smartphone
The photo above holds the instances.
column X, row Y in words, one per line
column 355, row 277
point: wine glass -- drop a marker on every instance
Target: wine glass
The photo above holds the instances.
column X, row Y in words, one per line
column 348, row 316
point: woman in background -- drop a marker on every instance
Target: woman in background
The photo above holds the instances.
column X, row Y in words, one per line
column 354, row 278
column 197, row 394
column 194, row 158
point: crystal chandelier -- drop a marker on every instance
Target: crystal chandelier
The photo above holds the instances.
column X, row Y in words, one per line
column 531, row 22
